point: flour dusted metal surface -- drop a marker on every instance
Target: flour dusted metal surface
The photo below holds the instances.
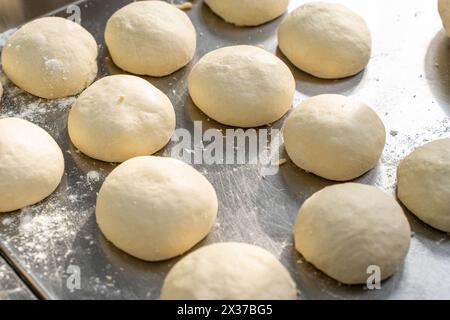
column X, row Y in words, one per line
column 407, row 83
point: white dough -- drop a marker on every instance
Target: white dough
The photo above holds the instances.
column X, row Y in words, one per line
column 334, row 137
column 156, row 208
column 51, row 58
column 248, row 12
column 229, row 271
column 424, row 183
column 31, row 164
column 121, row 117
column 242, row 86
column 326, row 40
column 444, row 10
column 344, row 229
column 150, row 38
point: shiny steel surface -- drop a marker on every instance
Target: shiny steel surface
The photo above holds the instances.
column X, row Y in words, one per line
column 407, row 83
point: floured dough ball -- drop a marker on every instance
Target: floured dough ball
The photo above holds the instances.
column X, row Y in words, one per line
column 151, row 38
column 121, row 117
column 31, row 164
column 156, row 208
column 444, row 10
column 248, row 12
column 229, row 271
column 424, row 183
column 345, row 229
column 242, row 86
column 51, row 58
column 326, row 40
column 334, row 137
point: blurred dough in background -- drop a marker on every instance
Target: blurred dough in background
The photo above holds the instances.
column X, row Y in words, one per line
column 248, row 12
column 150, row 38
column 51, row 58
column 444, row 10
column 326, row 40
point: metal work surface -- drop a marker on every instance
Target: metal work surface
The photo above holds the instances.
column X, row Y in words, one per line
column 11, row 286
column 407, row 83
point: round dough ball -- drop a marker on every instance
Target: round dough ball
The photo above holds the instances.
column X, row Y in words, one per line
column 51, row 58
column 121, row 117
column 31, row 164
column 424, row 183
column 344, row 229
column 248, row 12
column 242, row 86
column 150, row 38
column 156, row 208
column 334, row 137
column 229, row 271
column 444, row 10
column 326, row 40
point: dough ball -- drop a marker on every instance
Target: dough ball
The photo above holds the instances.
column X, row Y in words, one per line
column 151, row 38
column 51, row 58
column 248, row 12
column 424, row 183
column 326, row 40
column 229, row 271
column 242, row 86
column 121, row 117
column 444, row 10
column 31, row 164
column 344, row 229
column 156, row 208
column 334, row 137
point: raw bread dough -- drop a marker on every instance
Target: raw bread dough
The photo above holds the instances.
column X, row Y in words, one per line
column 121, row 117
column 344, row 229
column 51, row 58
column 242, row 86
column 334, row 137
column 156, row 208
column 326, row 40
column 31, row 164
column 424, row 183
column 248, row 12
column 444, row 10
column 150, row 38
column 229, row 271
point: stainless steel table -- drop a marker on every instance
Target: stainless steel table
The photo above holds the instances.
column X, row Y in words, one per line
column 11, row 286
column 56, row 243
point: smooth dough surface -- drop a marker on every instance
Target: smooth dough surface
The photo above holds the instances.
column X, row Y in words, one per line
column 31, row 164
column 229, row 271
column 248, row 12
column 242, row 86
column 156, row 208
column 344, row 229
column 326, row 40
column 424, row 183
column 334, row 137
column 150, row 38
column 51, row 58
column 121, row 117
column 444, row 11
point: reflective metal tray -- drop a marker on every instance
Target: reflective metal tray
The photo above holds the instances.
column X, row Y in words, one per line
column 407, row 82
